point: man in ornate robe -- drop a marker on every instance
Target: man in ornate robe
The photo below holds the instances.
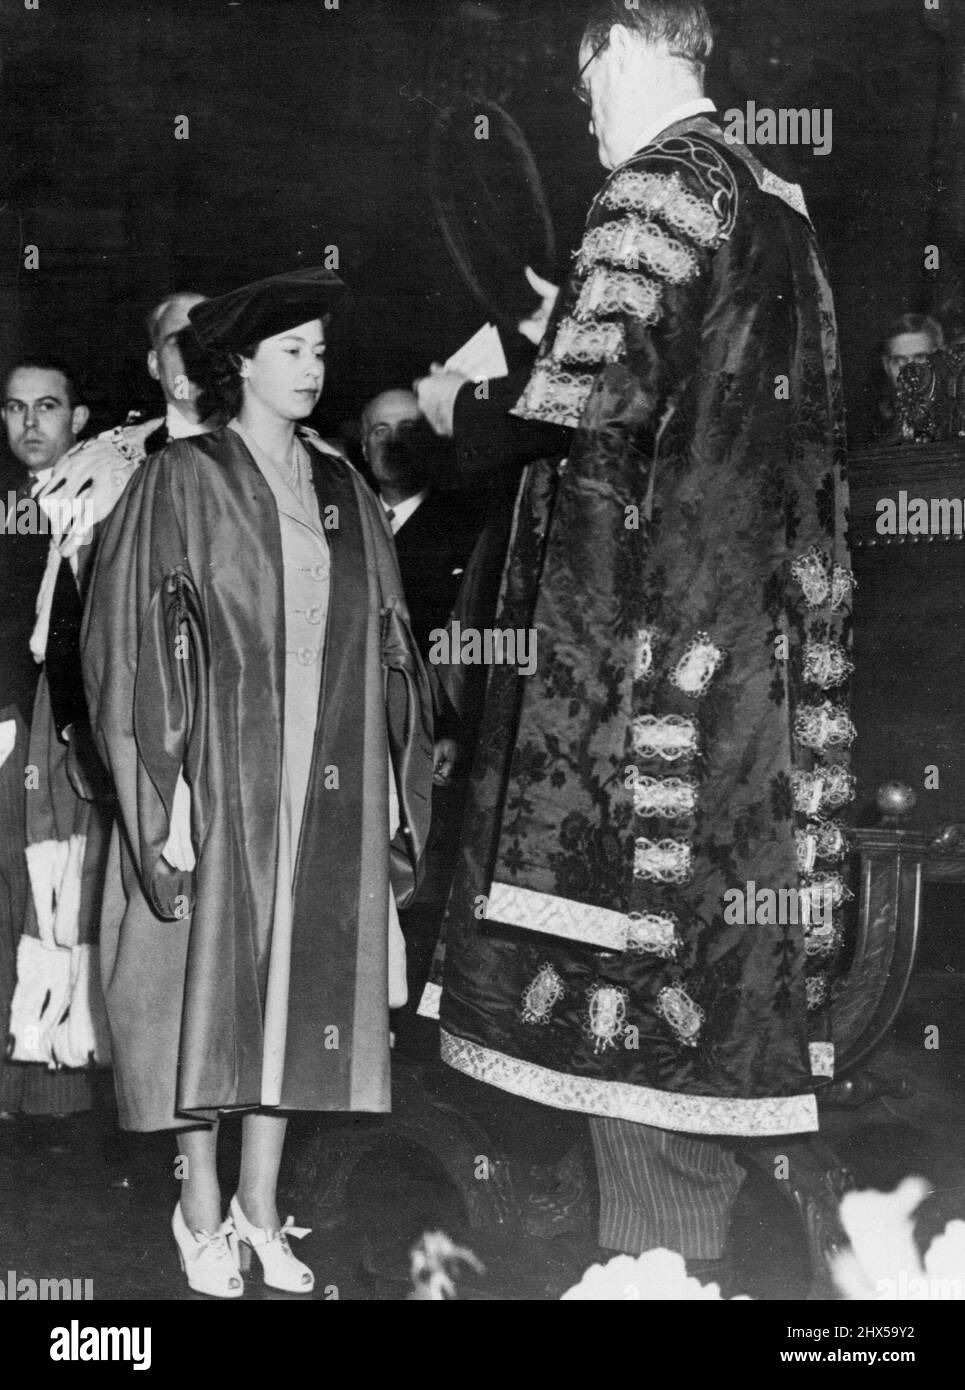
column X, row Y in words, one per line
column 57, row 1011
column 49, row 999
column 682, row 744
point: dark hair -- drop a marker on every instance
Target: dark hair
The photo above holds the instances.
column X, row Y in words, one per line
column 683, row 25
column 881, row 384
column 221, row 380
column 915, row 323
column 224, row 391
column 42, row 362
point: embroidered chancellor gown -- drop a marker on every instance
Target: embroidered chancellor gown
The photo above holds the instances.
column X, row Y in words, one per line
column 650, row 901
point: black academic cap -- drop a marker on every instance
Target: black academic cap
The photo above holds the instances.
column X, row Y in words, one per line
column 265, row 307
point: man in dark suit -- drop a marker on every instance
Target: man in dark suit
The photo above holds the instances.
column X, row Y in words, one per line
column 435, row 530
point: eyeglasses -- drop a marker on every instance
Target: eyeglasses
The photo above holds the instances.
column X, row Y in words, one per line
column 579, row 89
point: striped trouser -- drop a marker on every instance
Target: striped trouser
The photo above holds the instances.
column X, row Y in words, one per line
column 663, row 1190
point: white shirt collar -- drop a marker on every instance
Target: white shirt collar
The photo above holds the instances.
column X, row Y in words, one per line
column 178, row 427
column 403, row 510
column 697, row 106
column 38, row 477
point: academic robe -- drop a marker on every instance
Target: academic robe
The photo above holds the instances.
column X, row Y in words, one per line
column 184, row 650
column 683, row 742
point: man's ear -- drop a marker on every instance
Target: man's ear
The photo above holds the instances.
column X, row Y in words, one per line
column 152, row 365
column 78, row 420
column 620, row 41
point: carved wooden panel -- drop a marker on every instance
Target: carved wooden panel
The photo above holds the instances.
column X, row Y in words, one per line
column 909, row 633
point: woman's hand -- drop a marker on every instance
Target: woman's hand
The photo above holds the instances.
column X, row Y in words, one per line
column 179, row 851
column 445, row 756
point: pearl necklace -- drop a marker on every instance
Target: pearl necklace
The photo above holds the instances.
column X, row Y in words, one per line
column 291, row 477
column 288, row 469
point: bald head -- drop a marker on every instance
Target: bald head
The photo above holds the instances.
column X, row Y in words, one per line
column 390, row 409
column 171, row 315
column 165, row 361
column 391, row 442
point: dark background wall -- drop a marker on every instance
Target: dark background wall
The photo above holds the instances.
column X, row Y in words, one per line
column 310, row 127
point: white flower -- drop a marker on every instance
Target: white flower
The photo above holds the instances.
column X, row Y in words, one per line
column 656, row 1275
column 946, row 1255
column 883, row 1250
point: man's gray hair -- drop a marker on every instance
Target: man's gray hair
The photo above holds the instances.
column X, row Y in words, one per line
column 683, row 25
column 152, row 319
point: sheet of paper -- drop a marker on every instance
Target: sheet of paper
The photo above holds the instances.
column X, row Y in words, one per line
column 469, row 352
column 481, row 357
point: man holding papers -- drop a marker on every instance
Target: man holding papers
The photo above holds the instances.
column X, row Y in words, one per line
column 678, row 547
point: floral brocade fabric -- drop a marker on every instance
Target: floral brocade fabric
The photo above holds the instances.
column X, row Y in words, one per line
column 677, row 763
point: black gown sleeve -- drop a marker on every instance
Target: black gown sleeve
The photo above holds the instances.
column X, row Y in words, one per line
column 488, row 439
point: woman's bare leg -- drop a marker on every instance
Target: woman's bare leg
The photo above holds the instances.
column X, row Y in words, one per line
column 263, row 1139
column 198, row 1171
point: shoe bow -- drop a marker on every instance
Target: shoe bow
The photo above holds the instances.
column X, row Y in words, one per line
column 290, row 1229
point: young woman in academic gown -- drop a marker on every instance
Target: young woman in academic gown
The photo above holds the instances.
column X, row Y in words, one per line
column 257, row 696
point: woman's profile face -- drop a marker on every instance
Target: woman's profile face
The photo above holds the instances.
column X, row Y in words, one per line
column 287, row 371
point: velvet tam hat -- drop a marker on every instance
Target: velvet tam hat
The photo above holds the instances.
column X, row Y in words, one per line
column 264, row 308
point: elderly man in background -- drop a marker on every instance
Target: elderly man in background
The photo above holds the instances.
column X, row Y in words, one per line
column 173, row 363
column 96, row 473
column 101, row 468
column 435, row 529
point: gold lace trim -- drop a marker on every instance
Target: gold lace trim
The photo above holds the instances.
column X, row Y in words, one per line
column 621, row 1100
column 607, row 291
column 666, row 196
column 635, row 244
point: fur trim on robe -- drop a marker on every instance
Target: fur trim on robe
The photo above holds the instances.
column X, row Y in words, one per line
column 57, row 1012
